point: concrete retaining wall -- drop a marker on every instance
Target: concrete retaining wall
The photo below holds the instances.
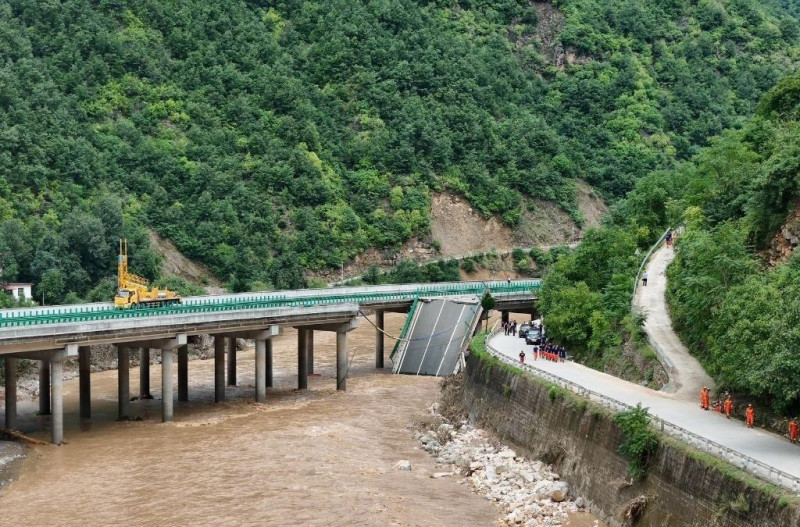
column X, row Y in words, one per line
column 582, row 443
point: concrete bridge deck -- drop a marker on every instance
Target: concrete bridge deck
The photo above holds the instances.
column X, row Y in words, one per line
column 53, row 334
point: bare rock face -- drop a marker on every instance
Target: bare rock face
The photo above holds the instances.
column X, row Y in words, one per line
column 403, row 464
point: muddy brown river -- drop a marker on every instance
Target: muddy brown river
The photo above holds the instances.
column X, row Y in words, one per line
column 317, row 457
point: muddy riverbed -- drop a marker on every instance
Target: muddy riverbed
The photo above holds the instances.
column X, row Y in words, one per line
column 317, row 457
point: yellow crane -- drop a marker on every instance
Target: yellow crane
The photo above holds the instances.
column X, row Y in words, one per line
column 134, row 291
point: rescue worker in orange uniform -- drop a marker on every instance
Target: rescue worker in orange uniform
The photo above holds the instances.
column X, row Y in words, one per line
column 750, row 415
column 704, row 398
column 794, row 430
column 728, row 407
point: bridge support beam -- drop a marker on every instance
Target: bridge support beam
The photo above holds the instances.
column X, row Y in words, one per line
column 183, row 374
column 144, row 373
column 219, row 369
column 231, row 361
column 341, row 360
column 167, row 356
column 268, row 362
column 302, row 359
column 123, row 381
column 11, row 393
column 44, row 387
column 379, row 327
column 84, row 380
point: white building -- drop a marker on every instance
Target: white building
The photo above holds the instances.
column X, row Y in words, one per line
column 19, row 291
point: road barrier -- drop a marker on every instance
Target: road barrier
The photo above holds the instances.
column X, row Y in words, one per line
column 304, row 298
column 746, row 463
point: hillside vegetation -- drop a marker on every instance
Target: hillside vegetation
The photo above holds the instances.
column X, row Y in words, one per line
column 734, row 310
column 267, row 139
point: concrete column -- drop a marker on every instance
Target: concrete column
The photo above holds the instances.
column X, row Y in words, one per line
column 504, row 316
column 341, row 360
column 167, row 356
column 183, row 374
column 219, row 369
column 261, row 370
column 302, row 359
column 57, row 401
column 379, row 324
column 11, row 393
column 123, row 378
column 84, row 376
column 268, row 362
column 44, row 387
column 310, row 350
column 231, row 361
column 144, row 374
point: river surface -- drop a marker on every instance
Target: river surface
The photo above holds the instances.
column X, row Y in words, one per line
column 316, row 457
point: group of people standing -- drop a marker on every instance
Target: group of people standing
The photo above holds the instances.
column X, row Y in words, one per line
column 510, row 327
column 549, row 352
column 726, row 406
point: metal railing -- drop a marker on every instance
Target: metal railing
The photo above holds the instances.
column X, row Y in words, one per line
column 734, row 457
column 304, row 298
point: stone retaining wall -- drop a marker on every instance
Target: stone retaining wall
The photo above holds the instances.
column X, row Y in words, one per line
column 581, row 441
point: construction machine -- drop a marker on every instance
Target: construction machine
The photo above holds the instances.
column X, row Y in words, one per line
column 134, row 291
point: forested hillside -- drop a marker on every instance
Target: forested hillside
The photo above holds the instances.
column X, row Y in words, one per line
column 266, row 139
column 734, row 299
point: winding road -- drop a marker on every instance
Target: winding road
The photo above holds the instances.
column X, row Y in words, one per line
column 679, row 403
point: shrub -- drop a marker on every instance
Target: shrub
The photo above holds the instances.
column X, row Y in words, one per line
column 640, row 440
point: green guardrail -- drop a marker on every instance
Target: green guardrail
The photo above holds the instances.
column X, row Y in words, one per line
column 78, row 315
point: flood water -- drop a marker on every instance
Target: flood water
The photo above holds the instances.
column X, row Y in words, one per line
column 316, row 457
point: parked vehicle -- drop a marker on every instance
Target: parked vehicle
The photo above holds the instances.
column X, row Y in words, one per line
column 523, row 329
column 533, row 336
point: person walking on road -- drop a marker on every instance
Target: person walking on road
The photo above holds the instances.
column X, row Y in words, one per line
column 668, row 238
column 522, row 356
column 728, row 406
column 704, row 398
column 794, row 430
column 750, row 416
column 644, row 279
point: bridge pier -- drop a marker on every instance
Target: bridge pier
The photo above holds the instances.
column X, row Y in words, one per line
column 84, row 375
column 302, row 359
column 379, row 327
column 261, row 370
column 341, row 360
column 231, row 361
column 268, row 362
column 11, row 393
column 57, row 395
column 219, row 369
column 44, row 387
column 310, row 350
column 166, row 385
column 123, row 381
column 183, row 373
column 144, row 373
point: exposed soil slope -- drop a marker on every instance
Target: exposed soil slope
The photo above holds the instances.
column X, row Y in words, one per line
column 177, row 264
